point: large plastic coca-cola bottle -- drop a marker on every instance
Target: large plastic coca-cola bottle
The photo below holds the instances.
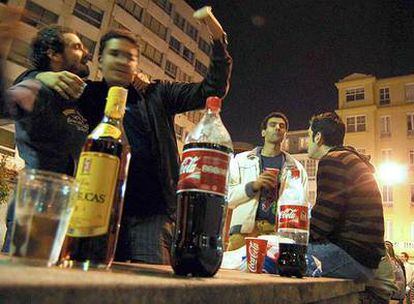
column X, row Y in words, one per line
column 293, row 227
column 201, row 196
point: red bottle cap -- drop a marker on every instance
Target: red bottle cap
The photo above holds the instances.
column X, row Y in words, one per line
column 214, row 103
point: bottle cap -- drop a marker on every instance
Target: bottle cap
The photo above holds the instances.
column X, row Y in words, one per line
column 214, row 103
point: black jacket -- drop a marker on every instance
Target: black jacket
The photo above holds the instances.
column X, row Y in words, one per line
column 160, row 102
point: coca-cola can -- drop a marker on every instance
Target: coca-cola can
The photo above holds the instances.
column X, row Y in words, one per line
column 256, row 250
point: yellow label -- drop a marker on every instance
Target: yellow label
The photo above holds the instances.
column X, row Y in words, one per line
column 97, row 174
column 106, row 130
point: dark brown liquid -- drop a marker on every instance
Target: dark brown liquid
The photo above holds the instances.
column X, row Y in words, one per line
column 197, row 245
column 99, row 251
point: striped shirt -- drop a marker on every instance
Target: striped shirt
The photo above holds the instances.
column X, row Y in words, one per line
column 348, row 210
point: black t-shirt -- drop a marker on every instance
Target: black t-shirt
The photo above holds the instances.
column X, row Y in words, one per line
column 268, row 198
column 51, row 136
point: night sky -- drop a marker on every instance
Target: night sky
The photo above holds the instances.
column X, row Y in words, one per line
column 288, row 54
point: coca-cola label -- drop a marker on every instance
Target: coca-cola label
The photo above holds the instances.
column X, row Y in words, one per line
column 204, row 170
column 293, row 217
column 254, row 250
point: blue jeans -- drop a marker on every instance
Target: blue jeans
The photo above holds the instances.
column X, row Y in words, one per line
column 335, row 263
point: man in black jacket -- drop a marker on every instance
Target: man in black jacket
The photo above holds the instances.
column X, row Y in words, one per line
column 150, row 200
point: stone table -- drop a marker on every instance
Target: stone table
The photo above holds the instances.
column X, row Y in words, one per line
column 138, row 283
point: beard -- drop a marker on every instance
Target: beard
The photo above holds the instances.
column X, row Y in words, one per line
column 79, row 68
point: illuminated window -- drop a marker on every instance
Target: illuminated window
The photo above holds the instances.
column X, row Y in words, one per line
column 387, row 195
column 410, row 124
column 386, row 155
column 409, row 92
column 356, row 123
column 384, row 96
column 170, row 69
column 355, row 94
column 385, row 126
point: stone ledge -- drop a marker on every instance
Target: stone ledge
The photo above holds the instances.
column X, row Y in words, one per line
column 156, row 284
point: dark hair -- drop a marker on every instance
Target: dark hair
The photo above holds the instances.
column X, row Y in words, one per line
column 263, row 124
column 331, row 127
column 47, row 38
column 117, row 34
column 405, row 254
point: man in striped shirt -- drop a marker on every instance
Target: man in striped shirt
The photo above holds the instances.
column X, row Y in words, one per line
column 347, row 224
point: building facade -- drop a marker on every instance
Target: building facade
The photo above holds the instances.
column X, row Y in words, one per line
column 379, row 118
column 173, row 45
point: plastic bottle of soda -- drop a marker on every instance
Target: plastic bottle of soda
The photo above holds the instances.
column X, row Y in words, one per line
column 201, row 196
column 293, row 227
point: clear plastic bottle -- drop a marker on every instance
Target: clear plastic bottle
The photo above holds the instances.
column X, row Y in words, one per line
column 201, row 196
column 293, row 227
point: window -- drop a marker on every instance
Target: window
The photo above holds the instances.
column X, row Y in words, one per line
column 116, row 25
column 152, row 53
column 385, row 126
column 19, row 53
column 191, row 31
column 388, row 230
column 175, row 45
column 89, row 44
column 303, row 143
column 412, row 194
column 384, row 96
column 155, row 26
column 165, row 5
column 410, row 124
column 179, row 21
column 188, row 55
column 183, row 77
column 387, row 195
column 39, row 16
column 409, row 92
column 204, row 46
column 356, row 123
column 170, row 69
column 386, row 155
column 201, row 68
column 411, row 158
column 311, row 168
column 88, row 12
column 355, row 94
column 179, row 132
column 132, row 8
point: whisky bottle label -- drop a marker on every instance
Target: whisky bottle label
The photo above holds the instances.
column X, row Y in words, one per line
column 106, row 130
column 97, row 174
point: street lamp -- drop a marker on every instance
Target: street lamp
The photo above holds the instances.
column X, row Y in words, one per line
column 391, row 173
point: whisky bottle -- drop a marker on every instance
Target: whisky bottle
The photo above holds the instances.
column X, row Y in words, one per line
column 102, row 173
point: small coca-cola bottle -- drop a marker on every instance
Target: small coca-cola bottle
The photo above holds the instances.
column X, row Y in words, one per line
column 201, row 196
column 293, row 227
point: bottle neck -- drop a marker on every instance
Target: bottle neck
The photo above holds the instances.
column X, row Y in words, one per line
column 117, row 122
